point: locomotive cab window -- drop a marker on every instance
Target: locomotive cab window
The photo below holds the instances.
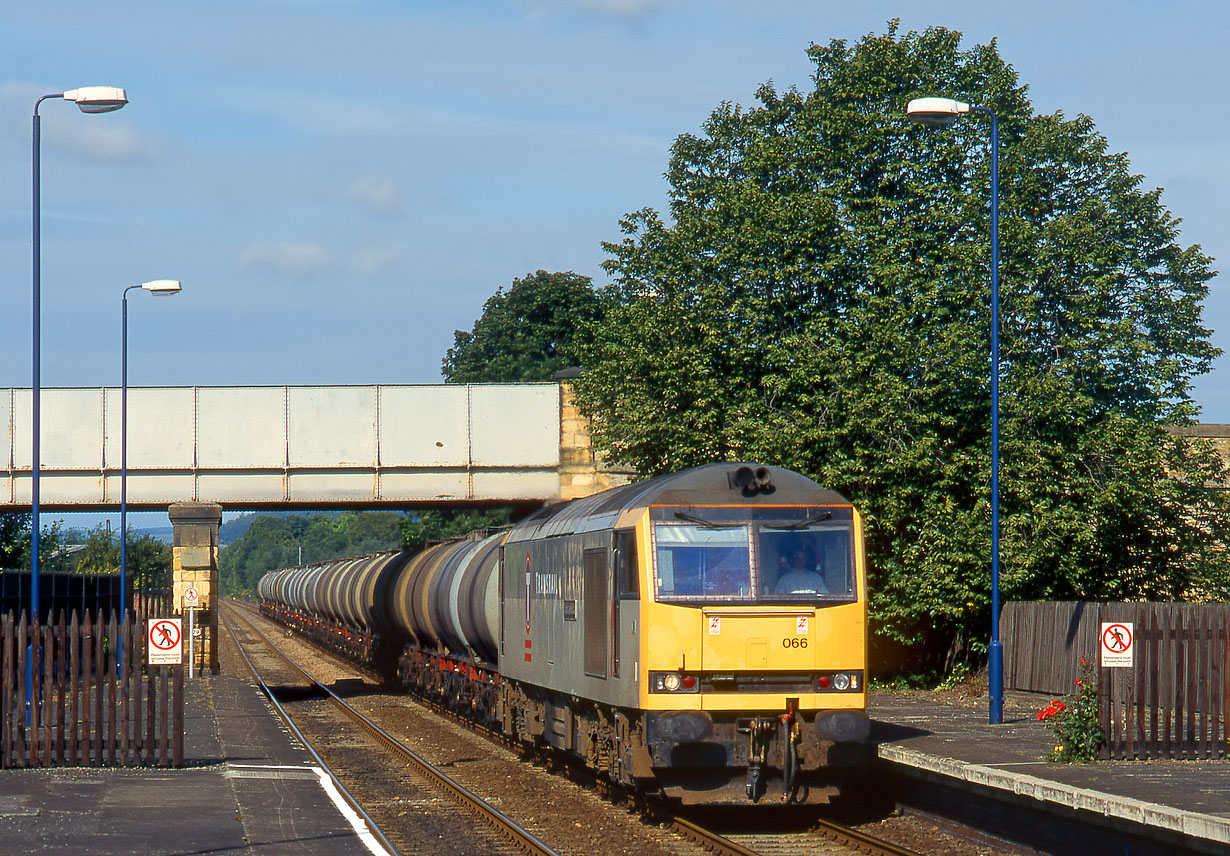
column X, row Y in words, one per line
column 808, row 562
column 774, row 555
column 702, row 561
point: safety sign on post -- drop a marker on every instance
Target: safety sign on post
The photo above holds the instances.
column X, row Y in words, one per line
column 166, row 642
column 1117, row 645
column 191, row 597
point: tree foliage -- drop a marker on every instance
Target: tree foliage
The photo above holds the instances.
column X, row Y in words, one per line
column 428, row 526
column 525, row 334
column 280, row 541
column 146, row 555
column 819, row 298
column 15, row 529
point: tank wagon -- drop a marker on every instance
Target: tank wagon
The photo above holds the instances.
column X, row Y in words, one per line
column 701, row 634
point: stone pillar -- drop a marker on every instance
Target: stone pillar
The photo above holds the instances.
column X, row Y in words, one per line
column 195, row 526
column 581, row 471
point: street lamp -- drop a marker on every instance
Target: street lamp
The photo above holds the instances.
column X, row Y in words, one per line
column 159, row 288
column 90, row 99
column 937, row 112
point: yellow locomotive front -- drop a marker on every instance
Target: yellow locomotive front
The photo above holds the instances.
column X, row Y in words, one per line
column 754, row 643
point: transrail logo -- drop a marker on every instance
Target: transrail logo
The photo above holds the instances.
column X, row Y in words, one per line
column 529, row 581
column 546, row 585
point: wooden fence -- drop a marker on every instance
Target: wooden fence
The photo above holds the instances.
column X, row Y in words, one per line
column 78, row 694
column 1171, row 703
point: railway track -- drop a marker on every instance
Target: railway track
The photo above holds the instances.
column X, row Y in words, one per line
column 826, row 839
column 520, row 837
column 821, row 839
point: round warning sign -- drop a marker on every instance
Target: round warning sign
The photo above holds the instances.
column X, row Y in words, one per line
column 191, row 596
column 1117, row 647
column 165, row 642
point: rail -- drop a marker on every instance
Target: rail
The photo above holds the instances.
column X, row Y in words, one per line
column 371, row 824
column 711, row 841
column 520, row 836
column 757, row 844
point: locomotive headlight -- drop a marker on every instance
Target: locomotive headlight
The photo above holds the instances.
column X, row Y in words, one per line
column 673, row 682
column 840, row 682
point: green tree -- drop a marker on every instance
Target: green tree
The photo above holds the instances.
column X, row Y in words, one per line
column 280, row 541
column 528, row 333
column 819, row 298
column 428, row 526
column 146, row 555
column 15, row 529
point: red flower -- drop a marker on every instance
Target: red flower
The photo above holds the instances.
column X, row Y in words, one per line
column 1049, row 711
column 1079, row 682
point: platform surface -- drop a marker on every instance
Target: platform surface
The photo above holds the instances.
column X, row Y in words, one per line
column 247, row 787
column 949, row 734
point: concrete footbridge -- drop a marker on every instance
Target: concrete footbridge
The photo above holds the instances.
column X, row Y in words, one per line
column 300, row 447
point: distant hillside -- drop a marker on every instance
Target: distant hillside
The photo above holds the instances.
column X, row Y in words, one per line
column 258, row 543
column 234, row 529
column 160, row 533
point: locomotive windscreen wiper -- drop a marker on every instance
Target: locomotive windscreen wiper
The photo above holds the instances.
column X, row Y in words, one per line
column 798, row 524
column 708, row 524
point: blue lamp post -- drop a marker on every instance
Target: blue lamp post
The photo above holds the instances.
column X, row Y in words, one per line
column 90, row 99
column 159, row 288
column 937, row 112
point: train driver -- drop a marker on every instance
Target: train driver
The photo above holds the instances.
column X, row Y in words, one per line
column 801, row 575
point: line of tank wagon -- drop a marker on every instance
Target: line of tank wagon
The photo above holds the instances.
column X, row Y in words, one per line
column 701, row 635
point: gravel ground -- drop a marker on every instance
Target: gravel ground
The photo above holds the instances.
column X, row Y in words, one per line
column 568, row 816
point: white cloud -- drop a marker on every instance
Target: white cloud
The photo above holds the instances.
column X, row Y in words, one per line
column 379, row 195
column 286, row 256
column 625, row 8
column 99, row 141
column 376, row 259
column 323, row 113
column 620, row 7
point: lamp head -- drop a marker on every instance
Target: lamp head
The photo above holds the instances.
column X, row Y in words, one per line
column 97, row 99
column 162, row 287
column 935, row 112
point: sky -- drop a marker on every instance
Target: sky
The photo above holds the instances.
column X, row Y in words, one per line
column 341, row 184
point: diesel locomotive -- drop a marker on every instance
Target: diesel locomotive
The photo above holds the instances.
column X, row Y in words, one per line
column 700, row 635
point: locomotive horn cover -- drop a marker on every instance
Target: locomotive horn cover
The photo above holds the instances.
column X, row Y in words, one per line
column 742, row 478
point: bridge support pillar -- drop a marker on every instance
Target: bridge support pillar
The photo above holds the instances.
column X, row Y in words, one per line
column 582, row 472
column 195, row 527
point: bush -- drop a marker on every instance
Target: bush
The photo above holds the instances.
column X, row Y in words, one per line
column 1075, row 724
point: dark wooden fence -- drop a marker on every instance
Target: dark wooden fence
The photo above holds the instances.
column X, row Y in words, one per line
column 60, row 592
column 1171, row 703
column 78, row 694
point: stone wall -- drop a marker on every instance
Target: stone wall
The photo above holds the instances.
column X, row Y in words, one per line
column 1218, row 435
column 581, row 471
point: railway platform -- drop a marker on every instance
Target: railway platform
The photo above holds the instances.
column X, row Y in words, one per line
column 247, row 787
column 945, row 739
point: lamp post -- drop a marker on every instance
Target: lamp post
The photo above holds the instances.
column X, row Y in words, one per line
column 90, row 99
column 937, row 112
column 159, row 288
